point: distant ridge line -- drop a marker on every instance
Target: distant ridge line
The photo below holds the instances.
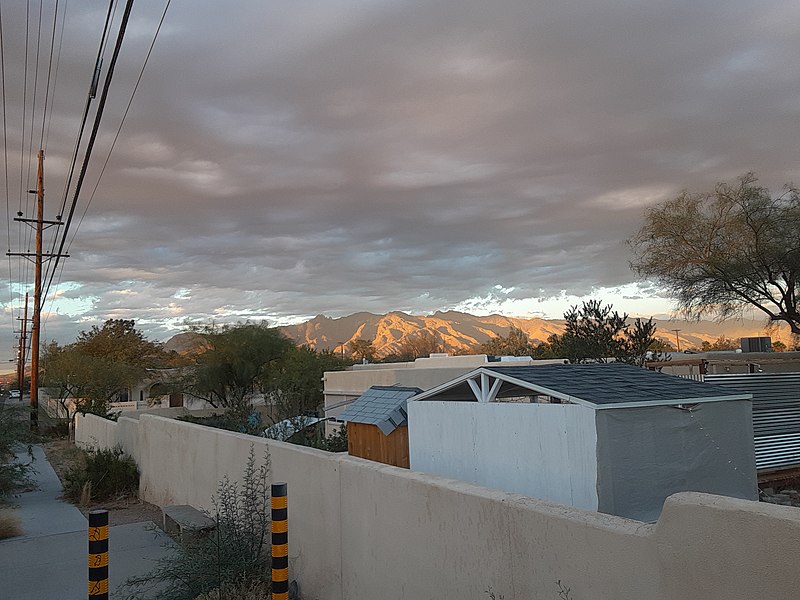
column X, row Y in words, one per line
column 460, row 331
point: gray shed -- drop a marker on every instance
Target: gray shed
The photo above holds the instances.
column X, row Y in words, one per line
column 608, row 437
column 376, row 424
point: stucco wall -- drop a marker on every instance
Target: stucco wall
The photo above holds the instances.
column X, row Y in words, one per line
column 542, row 450
column 358, row 529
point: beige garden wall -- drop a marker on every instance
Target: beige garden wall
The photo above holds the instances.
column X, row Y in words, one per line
column 359, row 529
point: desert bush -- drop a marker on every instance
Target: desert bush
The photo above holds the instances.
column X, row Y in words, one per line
column 232, row 560
column 102, row 475
column 15, row 435
column 9, row 524
column 58, row 429
column 258, row 590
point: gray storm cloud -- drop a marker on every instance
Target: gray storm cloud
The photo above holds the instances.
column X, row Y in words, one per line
column 290, row 159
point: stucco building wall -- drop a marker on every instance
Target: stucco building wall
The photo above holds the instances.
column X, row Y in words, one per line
column 358, row 529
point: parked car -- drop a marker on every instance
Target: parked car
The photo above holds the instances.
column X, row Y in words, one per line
column 13, row 394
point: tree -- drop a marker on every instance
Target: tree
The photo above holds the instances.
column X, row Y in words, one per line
column 597, row 333
column 295, row 382
column 420, row 344
column 119, row 341
column 98, row 366
column 362, row 349
column 231, row 371
column 516, row 343
column 721, row 252
column 91, row 382
column 721, row 343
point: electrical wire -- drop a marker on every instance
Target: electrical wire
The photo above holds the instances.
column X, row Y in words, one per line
column 73, row 161
column 113, row 144
column 5, row 162
column 58, row 63
column 93, row 136
column 122, row 122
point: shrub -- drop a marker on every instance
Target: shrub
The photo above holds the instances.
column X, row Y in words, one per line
column 231, row 562
column 15, row 435
column 9, row 524
column 58, row 430
column 104, row 475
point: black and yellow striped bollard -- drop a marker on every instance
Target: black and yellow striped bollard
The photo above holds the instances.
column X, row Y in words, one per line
column 280, row 543
column 98, row 555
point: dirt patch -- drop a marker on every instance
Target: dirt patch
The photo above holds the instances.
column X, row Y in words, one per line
column 64, row 455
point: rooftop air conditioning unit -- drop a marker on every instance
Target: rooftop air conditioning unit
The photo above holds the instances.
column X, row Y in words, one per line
column 756, row 344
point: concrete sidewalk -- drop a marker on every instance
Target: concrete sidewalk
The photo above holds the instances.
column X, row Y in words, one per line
column 49, row 560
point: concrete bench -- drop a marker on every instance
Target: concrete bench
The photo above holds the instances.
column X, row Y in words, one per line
column 186, row 522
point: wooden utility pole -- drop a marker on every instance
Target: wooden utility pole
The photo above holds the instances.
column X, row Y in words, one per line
column 37, row 295
column 677, row 339
column 37, row 289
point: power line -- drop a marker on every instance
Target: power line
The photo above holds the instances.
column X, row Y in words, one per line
column 89, row 97
column 122, row 122
column 49, row 74
column 111, row 149
column 93, row 136
column 5, row 159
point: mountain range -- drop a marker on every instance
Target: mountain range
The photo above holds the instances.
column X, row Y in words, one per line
column 462, row 331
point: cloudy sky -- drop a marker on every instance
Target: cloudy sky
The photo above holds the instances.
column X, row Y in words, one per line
column 285, row 159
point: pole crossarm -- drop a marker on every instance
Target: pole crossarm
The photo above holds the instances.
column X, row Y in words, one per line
column 36, row 221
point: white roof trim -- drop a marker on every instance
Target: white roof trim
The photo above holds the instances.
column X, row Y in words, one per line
column 708, row 399
column 472, row 375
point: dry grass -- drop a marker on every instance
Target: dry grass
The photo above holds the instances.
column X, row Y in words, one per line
column 244, row 591
column 9, row 524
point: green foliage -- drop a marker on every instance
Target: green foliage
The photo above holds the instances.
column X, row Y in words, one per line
column 362, row 349
column 229, row 421
column 420, row 344
column 516, row 343
column 232, row 558
column 231, row 372
column 724, row 251
column 314, row 437
column 110, row 474
column 661, row 346
column 15, row 435
column 294, row 383
column 99, row 365
column 720, row 344
column 597, row 333
column 118, row 341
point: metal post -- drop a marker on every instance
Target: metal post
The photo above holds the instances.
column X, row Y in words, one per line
column 98, row 555
column 280, row 542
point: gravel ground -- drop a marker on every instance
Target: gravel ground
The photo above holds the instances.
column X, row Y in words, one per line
column 63, row 455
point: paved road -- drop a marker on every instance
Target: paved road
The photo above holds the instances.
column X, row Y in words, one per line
column 49, row 560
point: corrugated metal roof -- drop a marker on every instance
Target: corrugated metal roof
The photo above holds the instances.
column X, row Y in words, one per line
column 383, row 406
column 776, row 414
column 616, row 383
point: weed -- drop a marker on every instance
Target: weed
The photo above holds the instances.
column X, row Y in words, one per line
column 15, row 435
column 232, row 561
column 103, row 475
